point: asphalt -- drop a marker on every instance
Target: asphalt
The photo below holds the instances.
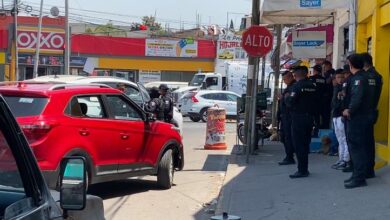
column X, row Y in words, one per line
column 261, row 189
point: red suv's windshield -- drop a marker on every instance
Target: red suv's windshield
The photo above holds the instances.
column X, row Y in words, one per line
column 26, row 106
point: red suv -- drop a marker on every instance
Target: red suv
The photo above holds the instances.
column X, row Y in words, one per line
column 116, row 136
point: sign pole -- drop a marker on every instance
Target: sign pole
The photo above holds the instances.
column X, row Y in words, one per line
column 67, row 40
column 38, row 46
column 250, row 117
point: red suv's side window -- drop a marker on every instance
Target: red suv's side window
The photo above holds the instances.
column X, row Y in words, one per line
column 121, row 109
column 86, row 106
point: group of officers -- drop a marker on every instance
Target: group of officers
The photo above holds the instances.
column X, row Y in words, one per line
column 161, row 103
column 306, row 99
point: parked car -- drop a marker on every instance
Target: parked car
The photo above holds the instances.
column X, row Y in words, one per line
column 23, row 191
column 195, row 104
column 115, row 135
column 171, row 85
column 134, row 91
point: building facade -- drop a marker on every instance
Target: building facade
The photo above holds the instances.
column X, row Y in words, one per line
column 373, row 36
column 135, row 59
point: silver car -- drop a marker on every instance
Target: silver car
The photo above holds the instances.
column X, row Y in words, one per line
column 195, row 104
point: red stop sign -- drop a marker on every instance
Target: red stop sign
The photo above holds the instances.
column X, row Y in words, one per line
column 257, row 41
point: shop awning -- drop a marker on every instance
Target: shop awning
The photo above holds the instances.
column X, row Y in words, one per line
column 300, row 11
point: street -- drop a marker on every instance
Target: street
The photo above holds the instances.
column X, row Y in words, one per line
column 192, row 197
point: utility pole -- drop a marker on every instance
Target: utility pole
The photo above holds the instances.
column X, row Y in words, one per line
column 277, row 74
column 38, row 46
column 16, row 38
column 251, row 89
column 67, row 39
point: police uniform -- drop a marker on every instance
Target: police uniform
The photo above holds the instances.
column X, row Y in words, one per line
column 301, row 102
column 285, row 118
column 321, row 87
column 327, row 99
column 374, row 91
column 167, row 107
column 357, row 100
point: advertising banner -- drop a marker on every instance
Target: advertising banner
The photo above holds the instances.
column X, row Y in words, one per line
column 146, row 76
column 171, row 48
column 228, row 48
column 309, row 44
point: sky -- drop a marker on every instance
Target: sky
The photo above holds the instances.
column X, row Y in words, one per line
column 167, row 11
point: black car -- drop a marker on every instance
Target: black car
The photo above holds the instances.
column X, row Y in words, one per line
column 23, row 191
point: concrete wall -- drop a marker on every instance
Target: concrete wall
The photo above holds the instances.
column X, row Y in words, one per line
column 341, row 21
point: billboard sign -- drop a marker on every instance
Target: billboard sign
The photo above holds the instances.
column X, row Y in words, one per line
column 171, row 48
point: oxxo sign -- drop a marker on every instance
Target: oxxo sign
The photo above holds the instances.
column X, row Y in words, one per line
column 49, row 40
column 257, row 41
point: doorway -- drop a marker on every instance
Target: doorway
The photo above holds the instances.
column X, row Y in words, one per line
column 29, row 72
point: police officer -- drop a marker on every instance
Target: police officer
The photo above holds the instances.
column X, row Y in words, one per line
column 357, row 118
column 327, row 108
column 321, row 86
column 301, row 101
column 155, row 105
column 375, row 88
column 167, row 103
column 284, row 116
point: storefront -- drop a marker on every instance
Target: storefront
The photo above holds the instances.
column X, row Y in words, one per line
column 373, row 34
column 144, row 60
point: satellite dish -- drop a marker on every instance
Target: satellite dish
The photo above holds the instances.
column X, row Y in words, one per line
column 54, row 11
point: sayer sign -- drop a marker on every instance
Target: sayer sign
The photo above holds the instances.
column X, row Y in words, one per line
column 49, row 40
column 257, row 41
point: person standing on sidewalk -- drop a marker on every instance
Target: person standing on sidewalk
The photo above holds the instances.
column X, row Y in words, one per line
column 301, row 101
column 285, row 118
column 338, row 122
column 325, row 113
column 357, row 117
column 375, row 88
column 321, row 86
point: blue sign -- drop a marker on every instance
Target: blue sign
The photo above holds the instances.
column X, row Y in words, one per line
column 308, row 43
column 310, row 4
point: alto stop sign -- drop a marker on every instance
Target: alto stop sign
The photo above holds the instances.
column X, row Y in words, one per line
column 257, row 41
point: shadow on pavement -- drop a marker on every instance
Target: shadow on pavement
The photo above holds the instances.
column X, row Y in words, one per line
column 122, row 188
column 263, row 190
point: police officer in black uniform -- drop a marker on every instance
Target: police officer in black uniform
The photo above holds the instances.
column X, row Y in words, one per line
column 357, row 118
column 301, row 101
column 284, row 117
column 167, row 103
column 321, row 86
column 375, row 88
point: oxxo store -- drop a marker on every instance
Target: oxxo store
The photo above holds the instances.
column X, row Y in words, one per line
column 51, row 58
column 143, row 60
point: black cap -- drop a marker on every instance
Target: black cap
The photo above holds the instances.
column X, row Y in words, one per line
column 317, row 68
column 163, row 87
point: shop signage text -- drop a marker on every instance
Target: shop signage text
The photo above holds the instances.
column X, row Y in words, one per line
column 49, row 40
column 310, row 3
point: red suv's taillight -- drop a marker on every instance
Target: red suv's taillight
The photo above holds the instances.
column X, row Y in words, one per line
column 36, row 131
column 194, row 99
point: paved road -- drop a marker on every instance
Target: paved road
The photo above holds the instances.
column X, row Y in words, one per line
column 196, row 187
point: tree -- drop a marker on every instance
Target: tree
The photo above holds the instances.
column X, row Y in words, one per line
column 231, row 25
column 150, row 21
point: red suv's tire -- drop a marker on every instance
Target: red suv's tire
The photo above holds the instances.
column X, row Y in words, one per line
column 165, row 170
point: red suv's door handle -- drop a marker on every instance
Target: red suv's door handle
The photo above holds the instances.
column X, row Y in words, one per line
column 84, row 132
column 124, row 136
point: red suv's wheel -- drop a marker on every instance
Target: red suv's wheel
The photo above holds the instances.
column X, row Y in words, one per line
column 165, row 170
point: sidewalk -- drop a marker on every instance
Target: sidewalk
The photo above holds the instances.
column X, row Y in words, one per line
column 263, row 190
